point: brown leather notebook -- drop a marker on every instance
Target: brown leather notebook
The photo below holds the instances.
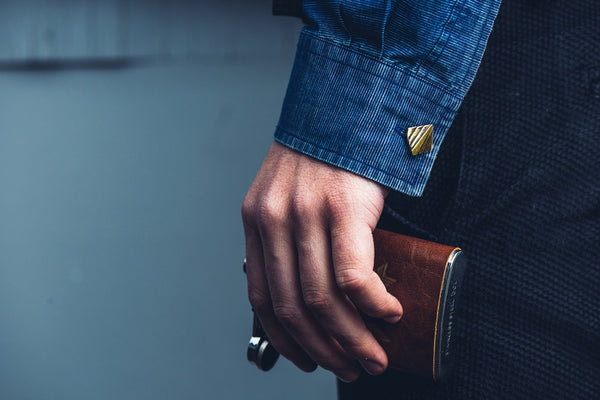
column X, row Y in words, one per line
column 426, row 278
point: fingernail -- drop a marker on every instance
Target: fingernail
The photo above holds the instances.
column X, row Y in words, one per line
column 372, row 367
column 393, row 320
column 348, row 376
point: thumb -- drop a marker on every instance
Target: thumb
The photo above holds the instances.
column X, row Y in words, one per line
column 353, row 256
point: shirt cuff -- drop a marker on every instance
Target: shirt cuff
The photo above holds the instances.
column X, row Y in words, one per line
column 352, row 110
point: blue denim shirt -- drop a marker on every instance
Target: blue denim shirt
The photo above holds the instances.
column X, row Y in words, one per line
column 366, row 71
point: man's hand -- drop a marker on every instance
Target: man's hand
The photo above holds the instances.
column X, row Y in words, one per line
column 309, row 260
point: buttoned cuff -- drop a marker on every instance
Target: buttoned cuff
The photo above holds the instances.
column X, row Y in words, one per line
column 352, row 110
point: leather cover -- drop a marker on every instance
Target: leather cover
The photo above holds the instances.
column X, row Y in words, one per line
column 415, row 271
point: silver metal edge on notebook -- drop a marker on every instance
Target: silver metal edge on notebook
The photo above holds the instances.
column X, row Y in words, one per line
column 446, row 315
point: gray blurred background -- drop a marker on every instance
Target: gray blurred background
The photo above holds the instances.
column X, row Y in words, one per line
column 129, row 133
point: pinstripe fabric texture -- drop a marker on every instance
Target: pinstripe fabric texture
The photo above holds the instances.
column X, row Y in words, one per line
column 366, row 71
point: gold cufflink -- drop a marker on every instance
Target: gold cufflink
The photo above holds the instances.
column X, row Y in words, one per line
column 420, row 139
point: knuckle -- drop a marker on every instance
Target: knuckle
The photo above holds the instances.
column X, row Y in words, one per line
column 271, row 213
column 350, row 280
column 287, row 314
column 338, row 206
column 355, row 345
column 248, row 209
column 306, row 204
column 258, row 300
column 302, row 205
column 317, row 301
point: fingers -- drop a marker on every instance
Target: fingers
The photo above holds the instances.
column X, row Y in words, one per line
column 260, row 299
column 289, row 306
column 327, row 303
column 353, row 254
column 309, row 250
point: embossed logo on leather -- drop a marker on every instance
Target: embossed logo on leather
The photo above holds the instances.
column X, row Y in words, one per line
column 382, row 272
column 380, row 334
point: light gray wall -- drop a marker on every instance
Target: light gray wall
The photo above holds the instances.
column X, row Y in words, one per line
column 180, row 29
column 120, row 189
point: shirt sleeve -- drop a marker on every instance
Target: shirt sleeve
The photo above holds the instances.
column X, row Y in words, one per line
column 366, row 71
